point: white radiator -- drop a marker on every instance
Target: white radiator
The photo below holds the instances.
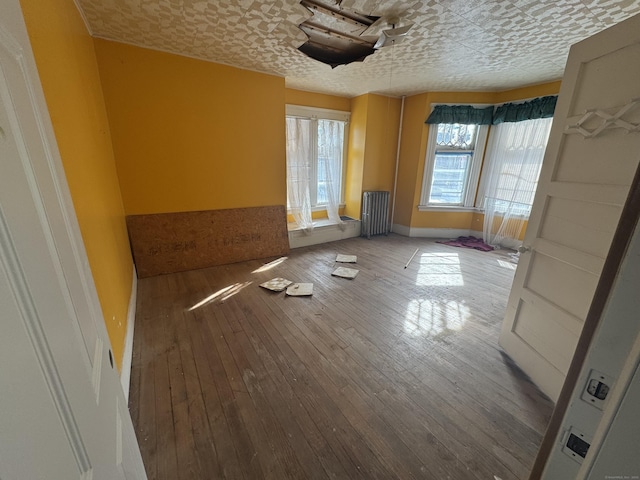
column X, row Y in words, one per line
column 375, row 213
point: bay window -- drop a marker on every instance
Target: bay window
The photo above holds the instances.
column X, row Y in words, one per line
column 503, row 183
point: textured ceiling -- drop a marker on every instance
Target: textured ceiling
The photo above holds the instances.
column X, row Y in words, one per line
column 454, row 45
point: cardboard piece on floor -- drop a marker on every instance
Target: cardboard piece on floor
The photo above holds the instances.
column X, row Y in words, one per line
column 345, row 272
column 276, row 284
column 300, row 289
column 346, row 258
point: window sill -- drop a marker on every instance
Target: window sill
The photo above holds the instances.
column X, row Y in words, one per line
column 319, row 223
column 448, row 208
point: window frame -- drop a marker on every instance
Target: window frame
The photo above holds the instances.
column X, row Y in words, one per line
column 473, row 174
column 314, row 114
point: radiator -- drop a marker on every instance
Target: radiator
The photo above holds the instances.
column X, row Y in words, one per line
column 375, row 213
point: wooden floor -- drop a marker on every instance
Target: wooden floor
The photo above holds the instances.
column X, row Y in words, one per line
column 395, row 374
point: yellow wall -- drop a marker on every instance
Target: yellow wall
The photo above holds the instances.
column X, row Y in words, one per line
column 412, row 143
column 413, row 150
column 192, row 135
column 373, row 142
column 68, row 72
column 317, row 100
column 532, row 91
column 383, row 118
column 355, row 155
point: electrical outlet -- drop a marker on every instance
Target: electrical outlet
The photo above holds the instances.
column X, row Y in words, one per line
column 575, row 445
column 597, row 389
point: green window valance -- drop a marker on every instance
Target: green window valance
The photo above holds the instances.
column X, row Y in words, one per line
column 542, row 107
column 463, row 114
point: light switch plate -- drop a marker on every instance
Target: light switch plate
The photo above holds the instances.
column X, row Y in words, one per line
column 597, row 389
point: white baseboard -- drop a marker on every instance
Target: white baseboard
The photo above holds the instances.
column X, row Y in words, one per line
column 401, row 230
column 434, row 232
column 127, row 356
column 439, row 232
column 324, row 234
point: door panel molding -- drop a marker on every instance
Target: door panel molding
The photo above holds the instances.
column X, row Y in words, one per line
column 570, row 321
column 588, row 192
column 576, row 258
column 46, row 178
column 33, row 325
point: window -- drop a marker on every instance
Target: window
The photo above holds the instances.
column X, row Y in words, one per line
column 453, row 161
column 514, row 160
column 330, row 138
column 316, row 141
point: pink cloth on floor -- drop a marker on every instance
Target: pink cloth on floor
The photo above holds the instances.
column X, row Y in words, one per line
column 469, row 242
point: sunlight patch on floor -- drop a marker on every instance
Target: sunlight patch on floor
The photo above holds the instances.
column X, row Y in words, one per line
column 431, row 318
column 508, row 265
column 221, row 295
column 270, row 265
column 439, row 269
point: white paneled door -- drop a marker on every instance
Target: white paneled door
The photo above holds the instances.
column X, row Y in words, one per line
column 592, row 155
column 63, row 414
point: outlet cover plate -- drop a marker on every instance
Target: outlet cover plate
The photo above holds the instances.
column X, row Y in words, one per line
column 575, row 444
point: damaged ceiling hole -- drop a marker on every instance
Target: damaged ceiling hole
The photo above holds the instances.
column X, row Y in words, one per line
column 335, row 34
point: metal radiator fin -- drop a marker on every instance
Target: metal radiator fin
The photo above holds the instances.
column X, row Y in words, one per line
column 375, row 213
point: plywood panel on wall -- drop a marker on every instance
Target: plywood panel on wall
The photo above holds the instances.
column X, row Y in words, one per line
column 175, row 242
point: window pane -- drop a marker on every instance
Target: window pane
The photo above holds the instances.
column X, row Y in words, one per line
column 329, row 167
column 455, row 135
column 299, row 138
column 322, row 184
column 448, row 183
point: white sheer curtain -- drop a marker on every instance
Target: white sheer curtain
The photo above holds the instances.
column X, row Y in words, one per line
column 330, row 148
column 314, row 168
column 299, row 166
column 515, row 155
